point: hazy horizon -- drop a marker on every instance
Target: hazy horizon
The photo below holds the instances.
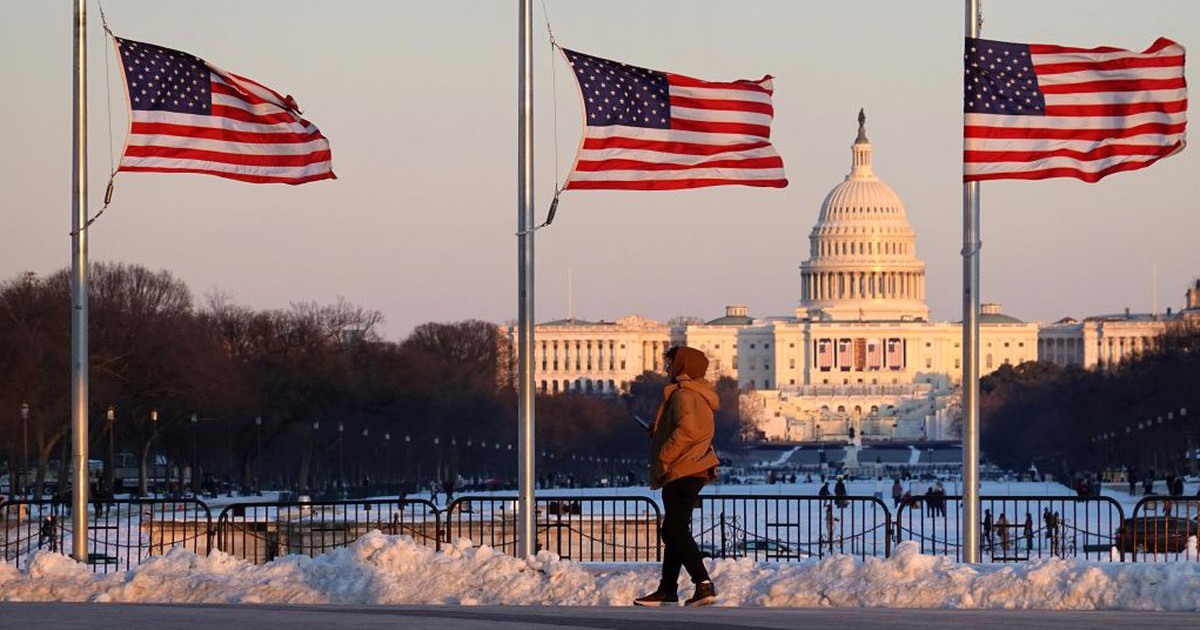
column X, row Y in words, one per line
column 419, row 103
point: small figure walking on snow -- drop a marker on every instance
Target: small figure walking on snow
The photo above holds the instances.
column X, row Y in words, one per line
column 48, row 533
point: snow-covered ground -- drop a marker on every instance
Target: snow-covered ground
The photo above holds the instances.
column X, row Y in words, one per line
column 379, row 569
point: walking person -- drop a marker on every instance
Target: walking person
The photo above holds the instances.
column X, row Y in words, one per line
column 1002, row 530
column 1028, row 532
column 987, row 530
column 897, row 492
column 839, row 491
column 48, row 533
column 682, row 461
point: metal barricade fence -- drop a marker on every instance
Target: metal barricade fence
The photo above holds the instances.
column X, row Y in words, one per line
column 124, row 532
column 791, row 527
column 121, row 532
column 580, row 528
column 1162, row 529
column 261, row 532
column 1020, row 527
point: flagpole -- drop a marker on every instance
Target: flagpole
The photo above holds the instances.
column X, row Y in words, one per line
column 79, row 295
column 970, row 347
column 526, row 526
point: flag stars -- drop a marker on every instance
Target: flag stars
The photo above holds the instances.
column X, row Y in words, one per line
column 1000, row 79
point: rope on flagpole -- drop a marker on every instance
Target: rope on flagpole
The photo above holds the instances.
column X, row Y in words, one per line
column 112, row 171
column 558, row 188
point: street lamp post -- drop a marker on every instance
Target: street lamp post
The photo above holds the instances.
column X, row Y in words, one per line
column 437, row 445
column 316, row 462
column 110, row 473
column 258, row 455
column 195, row 428
column 408, row 465
column 24, row 449
column 153, row 440
column 341, row 458
column 366, row 476
column 387, row 457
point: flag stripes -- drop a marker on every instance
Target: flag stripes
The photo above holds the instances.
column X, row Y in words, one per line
column 1105, row 110
column 650, row 130
column 187, row 116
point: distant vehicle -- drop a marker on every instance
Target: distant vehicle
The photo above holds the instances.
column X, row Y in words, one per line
column 753, row 548
column 1156, row 534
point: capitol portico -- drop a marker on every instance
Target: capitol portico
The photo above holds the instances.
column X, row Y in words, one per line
column 859, row 358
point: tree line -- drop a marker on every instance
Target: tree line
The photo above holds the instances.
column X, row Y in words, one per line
column 1142, row 414
column 307, row 398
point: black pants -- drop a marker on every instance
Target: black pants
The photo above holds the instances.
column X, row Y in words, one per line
column 679, row 498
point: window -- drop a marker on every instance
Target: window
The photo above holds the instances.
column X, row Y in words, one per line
column 1005, row 344
column 751, row 346
column 792, row 345
column 928, row 362
column 622, row 364
column 766, row 366
column 791, row 381
column 958, row 364
column 767, row 384
column 717, row 346
column 791, row 364
column 989, row 361
column 766, row 346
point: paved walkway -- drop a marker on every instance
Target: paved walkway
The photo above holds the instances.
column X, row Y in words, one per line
column 250, row 617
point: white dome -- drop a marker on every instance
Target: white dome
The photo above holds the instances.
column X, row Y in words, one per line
column 863, row 198
column 862, row 262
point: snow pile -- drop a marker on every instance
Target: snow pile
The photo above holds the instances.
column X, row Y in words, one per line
column 381, row 569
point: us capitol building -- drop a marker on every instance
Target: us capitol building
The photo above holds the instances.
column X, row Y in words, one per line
column 859, row 358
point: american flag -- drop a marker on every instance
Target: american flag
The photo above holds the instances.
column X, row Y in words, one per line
column 874, row 354
column 895, row 354
column 188, row 116
column 845, row 354
column 824, row 354
column 652, row 130
column 1036, row 111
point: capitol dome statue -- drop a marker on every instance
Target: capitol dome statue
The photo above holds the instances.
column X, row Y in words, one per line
column 862, row 262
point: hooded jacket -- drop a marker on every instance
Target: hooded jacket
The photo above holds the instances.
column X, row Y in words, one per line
column 682, row 434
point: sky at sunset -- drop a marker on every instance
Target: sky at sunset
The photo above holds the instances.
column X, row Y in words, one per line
column 419, row 103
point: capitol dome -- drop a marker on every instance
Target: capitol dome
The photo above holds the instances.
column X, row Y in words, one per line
column 862, row 261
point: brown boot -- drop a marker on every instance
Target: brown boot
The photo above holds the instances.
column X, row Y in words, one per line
column 662, row 597
column 705, row 594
